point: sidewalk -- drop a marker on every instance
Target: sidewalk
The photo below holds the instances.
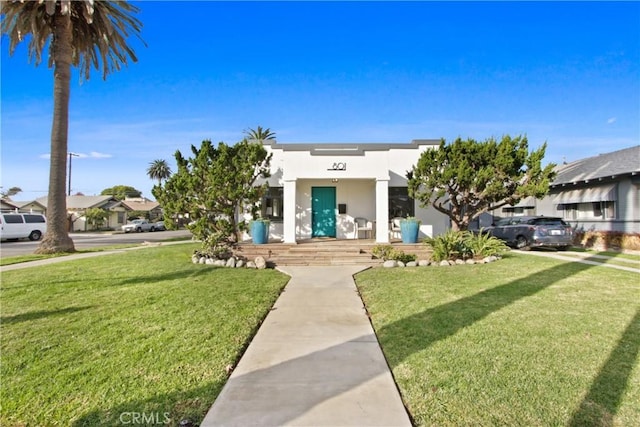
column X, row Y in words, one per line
column 314, row 362
column 586, row 259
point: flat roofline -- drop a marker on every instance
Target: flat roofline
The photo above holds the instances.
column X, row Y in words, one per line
column 346, row 149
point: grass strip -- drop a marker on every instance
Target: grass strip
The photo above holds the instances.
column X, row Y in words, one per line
column 522, row 341
column 146, row 332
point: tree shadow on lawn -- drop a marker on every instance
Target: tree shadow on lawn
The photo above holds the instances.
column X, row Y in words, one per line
column 40, row 314
column 605, row 395
column 162, row 409
column 444, row 321
column 421, row 330
column 125, row 279
column 431, row 326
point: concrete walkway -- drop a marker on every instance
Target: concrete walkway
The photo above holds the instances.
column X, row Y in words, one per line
column 586, row 258
column 315, row 361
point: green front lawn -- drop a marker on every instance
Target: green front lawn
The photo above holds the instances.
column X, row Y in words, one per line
column 36, row 257
column 523, row 341
column 84, row 342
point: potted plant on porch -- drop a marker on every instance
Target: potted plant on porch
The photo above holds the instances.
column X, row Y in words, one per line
column 260, row 231
column 409, row 228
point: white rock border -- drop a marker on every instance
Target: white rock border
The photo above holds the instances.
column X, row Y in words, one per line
column 426, row 263
column 258, row 263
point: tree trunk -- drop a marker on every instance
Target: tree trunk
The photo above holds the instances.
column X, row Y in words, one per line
column 57, row 239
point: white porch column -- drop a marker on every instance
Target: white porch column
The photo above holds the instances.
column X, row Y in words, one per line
column 382, row 211
column 289, row 211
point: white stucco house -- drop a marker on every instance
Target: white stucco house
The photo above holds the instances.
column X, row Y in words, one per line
column 319, row 190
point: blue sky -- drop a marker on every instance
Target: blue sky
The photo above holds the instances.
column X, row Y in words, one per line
column 566, row 73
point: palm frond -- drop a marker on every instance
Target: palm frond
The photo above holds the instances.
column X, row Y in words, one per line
column 100, row 30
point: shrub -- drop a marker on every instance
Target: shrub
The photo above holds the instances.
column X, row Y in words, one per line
column 382, row 251
column 482, row 245
column 387, row 252
column 454, row 245
column 398, row 255
column 447, row 246
column 603, row 240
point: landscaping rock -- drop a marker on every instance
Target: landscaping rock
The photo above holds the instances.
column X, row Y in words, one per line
column 444, row 263
column 399, row 264
column 209, row 261
column 412, row 264
column 460, row 262
column 470, row 261
column 424, row 263
column 251, row 264
column 389, row 264
column 231, row 262
column 220, row 263
column 195, row 259
column 260, row 263
column 202, row 260
column 240, row 263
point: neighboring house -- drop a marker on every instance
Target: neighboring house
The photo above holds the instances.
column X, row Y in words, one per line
column 78, row 205
column 597, row 193
column 152, row 209
column 7, row 205
column 318, row 190
column 32, row 206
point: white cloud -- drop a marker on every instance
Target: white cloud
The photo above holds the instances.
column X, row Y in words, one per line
column 96, row 155
column 611, row 120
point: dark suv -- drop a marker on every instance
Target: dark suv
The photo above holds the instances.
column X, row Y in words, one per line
column 524, row 232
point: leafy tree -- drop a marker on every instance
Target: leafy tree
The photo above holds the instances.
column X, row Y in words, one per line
column 467, row 178
column 260, row 134
column 213, row 187
column 159, row 169
column 121, row 192
column 77, row 33
column 10, row 192
column 96, row 217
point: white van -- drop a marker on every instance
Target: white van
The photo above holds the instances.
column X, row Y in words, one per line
column 22, row 225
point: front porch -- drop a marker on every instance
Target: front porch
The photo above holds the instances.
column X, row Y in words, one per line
column 325, row 251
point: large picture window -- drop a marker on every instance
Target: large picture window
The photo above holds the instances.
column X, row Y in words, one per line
column 589, row 210
column 400, row 204
column 272, row 206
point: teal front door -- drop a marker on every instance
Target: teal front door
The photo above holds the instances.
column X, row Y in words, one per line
column 323, row 211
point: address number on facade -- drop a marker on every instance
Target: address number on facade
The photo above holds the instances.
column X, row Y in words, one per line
column 339, row 166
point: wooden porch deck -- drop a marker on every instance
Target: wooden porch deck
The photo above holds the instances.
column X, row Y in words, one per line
column 324, row 251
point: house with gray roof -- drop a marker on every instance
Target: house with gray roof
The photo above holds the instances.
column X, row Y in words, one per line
column 600, row 193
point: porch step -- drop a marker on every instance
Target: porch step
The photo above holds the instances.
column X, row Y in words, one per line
column 324, row 252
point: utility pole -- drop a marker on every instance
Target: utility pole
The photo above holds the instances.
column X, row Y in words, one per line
column 71, row 155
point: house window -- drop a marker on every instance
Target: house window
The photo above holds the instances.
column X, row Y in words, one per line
column 590, row 210
column 569, row 211
column 608, row 208
column 272, row 206
column 597, row 209
column 400, row 204
column 585, row 210
column 516, row 211
column 122, row 217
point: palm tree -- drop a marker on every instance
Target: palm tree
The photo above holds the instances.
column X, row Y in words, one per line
column 159, row 169
column 78, row 33
column 260, row 134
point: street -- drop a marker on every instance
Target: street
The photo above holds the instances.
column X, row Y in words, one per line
column 91, row 240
